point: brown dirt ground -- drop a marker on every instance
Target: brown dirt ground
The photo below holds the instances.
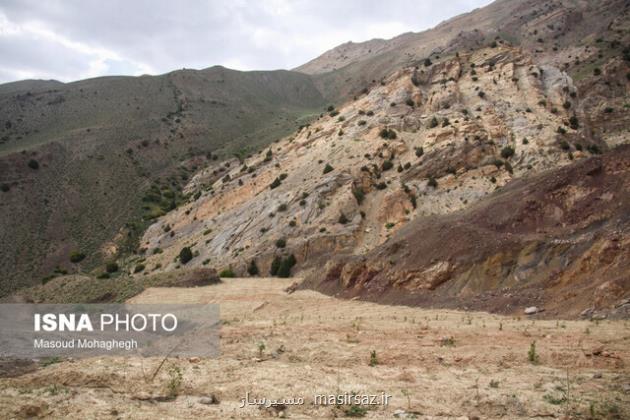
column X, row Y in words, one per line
column 327, row 345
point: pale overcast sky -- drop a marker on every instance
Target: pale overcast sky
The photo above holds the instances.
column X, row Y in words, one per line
column 75, row 39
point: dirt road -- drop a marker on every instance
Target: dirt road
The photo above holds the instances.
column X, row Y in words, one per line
column 433, row 363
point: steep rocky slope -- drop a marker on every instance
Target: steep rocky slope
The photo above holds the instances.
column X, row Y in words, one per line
column 566, row 32
column 559, row 241
column 428, row 140
column 77, row 160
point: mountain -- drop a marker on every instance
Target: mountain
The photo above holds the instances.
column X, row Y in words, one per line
column 488, row 127
column 555, row 32
column 77, row 160
column 472, row 134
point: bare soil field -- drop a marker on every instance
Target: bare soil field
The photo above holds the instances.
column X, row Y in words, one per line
column 276, row 345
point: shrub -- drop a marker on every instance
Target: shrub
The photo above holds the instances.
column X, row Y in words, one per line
column 564, row 145
column 227, row 273
column 387, row 134
column 103, row 276
column 185, row 255
column 361, row 122
column 432, row 182
column 561, row 130
column 33, row 164
column 427, row 62
column 76, row 256
column 594, row 149
column 275, row 184
column 283, row 207
column 532, row 356
column 566, row 104
column 138, row 268
column 111, row 267
column 328, row 168
column 481, row 94
column 343, row 219
column 5, row 187
column 281, row 243
column 419, row 151
column 507, row 152
column 597, row 71
column 358, row 194
column 252, row 268
column 387, row 165
column 433, row 123
column 268, row 156
column 373, row 358
column 410, row 102
column 287, row 264
column 275, row 265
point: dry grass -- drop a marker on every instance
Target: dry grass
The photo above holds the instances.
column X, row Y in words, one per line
column 483, row 371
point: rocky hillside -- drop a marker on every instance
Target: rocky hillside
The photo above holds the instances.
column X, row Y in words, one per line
column 78, row 160
column 558, row 242
column 576, row 35
column 428, row 141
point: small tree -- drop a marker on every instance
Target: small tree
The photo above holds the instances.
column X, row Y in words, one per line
column 185, row 255
column 507, row 152
column 76, row 257
column 275, row 265
column 252, row 268
column 111, row 267
column 287, row 264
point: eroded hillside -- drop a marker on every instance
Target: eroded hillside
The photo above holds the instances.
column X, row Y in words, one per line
column 428, row 140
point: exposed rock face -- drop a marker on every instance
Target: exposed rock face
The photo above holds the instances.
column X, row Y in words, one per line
column 558, row 241
column 427, row 141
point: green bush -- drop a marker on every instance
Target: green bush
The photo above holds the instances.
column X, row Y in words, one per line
column 507, row 152
column 138, row 268
column 276, row 183
column 419, row 151
column 5, row 187
column 185, row 255
column 432, row 182
column 111, row 267
column 275, row 265
column 33, row 164
column 227, row 273
column 410, row 102
column 287, row 264
column 574, row 123
column 103, row 276
column 427, row 62
column 76, row 256
column 358, row 194
column 328, row 168
column 281, row 243
column 343, row 219
column 252, row 268
column 387, row 134
column 387, row 165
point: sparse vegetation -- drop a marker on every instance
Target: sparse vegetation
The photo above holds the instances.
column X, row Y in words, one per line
column 328, row 168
